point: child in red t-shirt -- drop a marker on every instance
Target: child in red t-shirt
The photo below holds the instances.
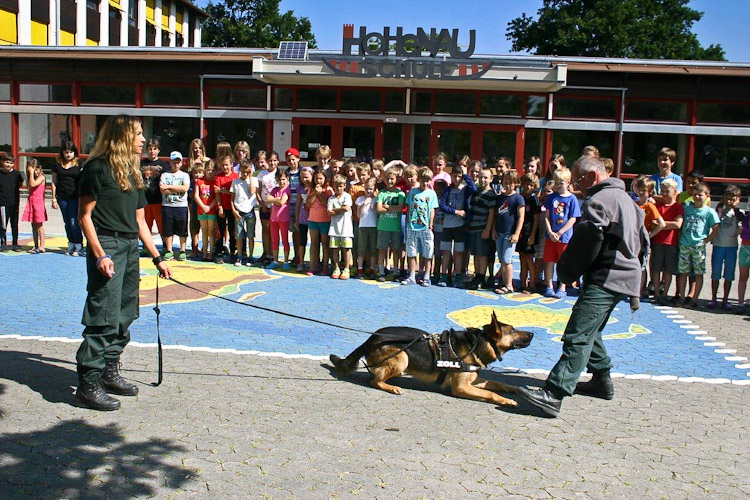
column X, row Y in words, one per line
column 226, row 222
column 205, row 200
column 664, row 243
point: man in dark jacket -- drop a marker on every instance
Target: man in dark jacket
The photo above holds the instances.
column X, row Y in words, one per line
column 607, row 249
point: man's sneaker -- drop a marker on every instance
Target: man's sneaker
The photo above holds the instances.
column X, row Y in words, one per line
column 168, row 256
column 344, row 274
column 426, row 282
column 549, row 292
column 561, row 294
column 409, row 281
column 381, row 278
column 182, row 256
column 237, row 263
column 443, row 281
column 600, row 386
column 543, row 399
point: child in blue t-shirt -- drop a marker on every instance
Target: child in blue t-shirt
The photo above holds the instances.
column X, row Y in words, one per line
column 562, row 210
column 507, row 230
column 422, row 202
column 700, row 225
column 665, row 162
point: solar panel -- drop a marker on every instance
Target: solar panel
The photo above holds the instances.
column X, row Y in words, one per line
column 293, row 50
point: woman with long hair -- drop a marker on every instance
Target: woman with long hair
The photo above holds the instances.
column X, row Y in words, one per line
column 65, row 194
column 112, row 218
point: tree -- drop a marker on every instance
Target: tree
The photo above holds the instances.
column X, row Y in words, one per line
column 648, row 29
column 253, row 23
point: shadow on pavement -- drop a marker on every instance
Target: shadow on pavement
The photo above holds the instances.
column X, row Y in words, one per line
column 75, row 459
column 39, row 374
column 2, row 391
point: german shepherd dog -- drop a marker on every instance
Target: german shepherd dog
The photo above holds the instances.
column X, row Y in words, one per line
column 475, row 346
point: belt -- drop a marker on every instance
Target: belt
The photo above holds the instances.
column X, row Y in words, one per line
column 117, row 234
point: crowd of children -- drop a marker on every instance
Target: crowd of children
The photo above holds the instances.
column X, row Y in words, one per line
column 410, row 224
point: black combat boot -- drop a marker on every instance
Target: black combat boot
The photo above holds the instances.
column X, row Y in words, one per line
column 113, row 382
column 600, row 386
column 91, row 395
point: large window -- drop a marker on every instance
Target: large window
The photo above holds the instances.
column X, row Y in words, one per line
column 395, row 101
column 421, row 102
column 570, row 143
column 43, row 133
column 174, row 134
column 724, row 113
column 420, row 145
column 90, row 126
column 640, row 152
column 282, row 98
column 501, row 105
column 237, row 98
column 233, row 130
column 4, row 92
column 536, row 106
column 574, row 107
column 172, row 96
column 723, row 156
column 656, row 111
column 108, row 94
column 316, row 99
column 361, row 100
column 32, row 92
column 5, row 138
column 455, row 103
column 534, row 144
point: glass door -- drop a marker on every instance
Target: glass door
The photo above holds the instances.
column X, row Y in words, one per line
column 359, row 139
column 497, row 144
column 311, row 137
column 481, row 142
column 455, row 143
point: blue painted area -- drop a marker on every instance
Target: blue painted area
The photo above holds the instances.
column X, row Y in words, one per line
column 49, row 291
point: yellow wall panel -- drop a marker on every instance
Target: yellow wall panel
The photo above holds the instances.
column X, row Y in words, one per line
column 178, row 22
column 91, row 43
column 38, row 33
column 115, row 4
column 67, row 38
column 150, row 11
column 8, row 31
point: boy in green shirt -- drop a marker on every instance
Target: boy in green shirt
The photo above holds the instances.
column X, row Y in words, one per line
column 390, row 202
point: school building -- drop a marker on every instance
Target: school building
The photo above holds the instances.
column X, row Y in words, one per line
column 380, row 97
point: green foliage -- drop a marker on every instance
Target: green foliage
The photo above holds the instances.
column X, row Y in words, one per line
column 253, row 23
column 648, row 29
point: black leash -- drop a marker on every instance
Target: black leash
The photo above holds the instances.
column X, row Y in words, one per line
column 158, row 334
column 290, row 315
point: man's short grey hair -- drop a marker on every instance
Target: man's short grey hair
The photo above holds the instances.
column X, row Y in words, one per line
column 586, row 164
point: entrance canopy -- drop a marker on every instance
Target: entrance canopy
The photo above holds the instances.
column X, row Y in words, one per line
column 419, row 73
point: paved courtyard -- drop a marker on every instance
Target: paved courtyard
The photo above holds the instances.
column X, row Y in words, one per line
column 250, row 409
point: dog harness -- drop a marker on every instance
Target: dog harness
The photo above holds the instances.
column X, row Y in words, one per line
column 445, row 357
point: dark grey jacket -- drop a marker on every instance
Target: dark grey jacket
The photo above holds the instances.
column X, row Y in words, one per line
column 609, row 242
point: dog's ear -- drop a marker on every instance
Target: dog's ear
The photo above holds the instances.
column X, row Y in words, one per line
column 496, row 325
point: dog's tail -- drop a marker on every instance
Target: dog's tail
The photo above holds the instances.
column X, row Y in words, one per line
column 348, row 364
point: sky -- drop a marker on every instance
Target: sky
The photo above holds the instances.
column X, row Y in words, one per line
column 724, row 21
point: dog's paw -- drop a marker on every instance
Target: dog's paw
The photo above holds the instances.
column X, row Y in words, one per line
column 509, row 402
column 397, row 390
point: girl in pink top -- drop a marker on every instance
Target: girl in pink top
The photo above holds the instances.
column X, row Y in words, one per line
column 280, row 216
column 35, row 211
column 318, row 221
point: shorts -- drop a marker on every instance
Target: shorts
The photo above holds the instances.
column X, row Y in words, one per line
column 340, row 242
column 505, row 248
column 553, row 250
column 478, row 246
column 692, row 260
column 321, row 227
column 368, row 241
column 389, row 239
column 745, row 256
column 726, row 256
column 207, row 217
column 419, row 242
column 174, row 221
column 246, row 225
column 454, row 235
column 664, row 258
column 264, row 215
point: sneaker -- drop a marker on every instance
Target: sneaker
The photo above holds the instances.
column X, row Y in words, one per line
column 713, row 304
column 272, row 265
column 74, row 253
column 182, row 256
column 360, row 274
column 344, row 274
column 248, row 262
column 286, row 266
column 396, row 278
column 443, row 281
column 409, row 281
column 381, row 278
column 473, row 284
column 237, row 263
column 458, row 281
column 650, row 288
column 219, row 260
column 689, row 303
column 71, row 248
column 742, row 309
column 426, row 282
column 336, row 273
column 561, row 294
column 549, row 292
column 168, row 256
column 300, row 268
column 727, row 307
column 310, row 273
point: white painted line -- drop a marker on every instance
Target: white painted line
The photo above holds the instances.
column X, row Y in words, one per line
column 690, row 380
column 736, row 358
column 682, row 321
column 638, row 376
column 743, row 366
column 705, row 338
column 717, row 381
column 725, row 351
column 742, row 382
column 675, row 316
column 690, row 327
column 698, row 332
column 664, row 378
column 714, row 344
